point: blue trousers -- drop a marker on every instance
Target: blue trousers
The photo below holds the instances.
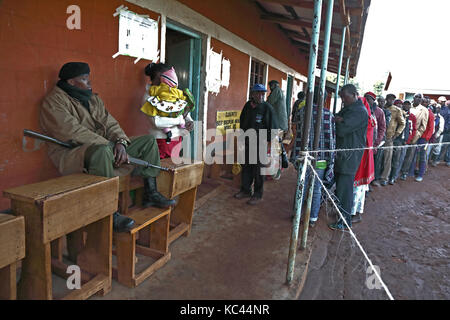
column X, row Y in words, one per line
column 317, row 193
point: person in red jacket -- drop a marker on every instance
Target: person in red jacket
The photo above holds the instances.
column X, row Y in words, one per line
column 422, row 153
column 366, row 170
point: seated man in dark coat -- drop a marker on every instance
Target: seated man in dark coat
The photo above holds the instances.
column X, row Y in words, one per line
column 71, row 112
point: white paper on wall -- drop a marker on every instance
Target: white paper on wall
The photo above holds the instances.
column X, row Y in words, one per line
column 226, row 66
column 138, row 36
column 214, row 71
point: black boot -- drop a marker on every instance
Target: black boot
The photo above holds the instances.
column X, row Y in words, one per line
column 152, row 197
column 122, row 223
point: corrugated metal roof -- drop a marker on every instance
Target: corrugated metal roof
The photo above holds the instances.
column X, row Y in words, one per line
column 294, row 18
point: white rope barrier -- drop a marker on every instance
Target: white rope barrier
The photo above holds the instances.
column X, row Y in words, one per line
column 382, row 148
column 352, row 234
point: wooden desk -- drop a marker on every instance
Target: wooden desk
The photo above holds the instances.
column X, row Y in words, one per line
column 12, row 250
column 55, row 208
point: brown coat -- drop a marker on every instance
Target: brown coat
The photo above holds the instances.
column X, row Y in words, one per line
column 397, row 123
column 64, row 118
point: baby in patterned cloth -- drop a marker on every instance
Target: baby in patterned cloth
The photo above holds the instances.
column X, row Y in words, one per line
column 166, row 100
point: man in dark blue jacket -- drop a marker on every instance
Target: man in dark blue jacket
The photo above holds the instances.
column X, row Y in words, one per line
column 351, row 129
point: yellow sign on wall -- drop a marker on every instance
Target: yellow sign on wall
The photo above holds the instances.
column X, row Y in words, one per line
column 226, row 120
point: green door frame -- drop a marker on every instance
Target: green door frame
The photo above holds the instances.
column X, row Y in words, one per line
column 290, row 82
column 195, row 71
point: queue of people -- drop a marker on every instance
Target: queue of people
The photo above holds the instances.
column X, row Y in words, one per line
column 399, row 131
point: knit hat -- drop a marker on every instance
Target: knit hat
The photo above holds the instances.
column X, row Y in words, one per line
column 398, row 101
column 170, row 78
column 73, row 69
column 371, row 94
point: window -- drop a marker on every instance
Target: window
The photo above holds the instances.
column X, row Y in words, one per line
column 257, row 73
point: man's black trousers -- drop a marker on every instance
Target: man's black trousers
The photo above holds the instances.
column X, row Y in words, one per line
column 251, row 173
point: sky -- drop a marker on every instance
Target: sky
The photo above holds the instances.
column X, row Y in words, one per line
column 410, row 39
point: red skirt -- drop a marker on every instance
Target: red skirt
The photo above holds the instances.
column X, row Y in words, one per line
column 165, row 149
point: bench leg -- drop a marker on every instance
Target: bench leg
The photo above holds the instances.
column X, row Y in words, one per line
column 126, row 252
column 96, row 257
column 184, row 210
column 8, row 290
column 36, row 277
column 57, row 249
column 159, row 234
column 75, row 243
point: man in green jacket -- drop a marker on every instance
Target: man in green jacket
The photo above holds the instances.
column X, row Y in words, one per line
column 71, row 112
column 278, row 102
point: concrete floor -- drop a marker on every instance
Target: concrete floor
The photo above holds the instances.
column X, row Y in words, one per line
column 235, row 251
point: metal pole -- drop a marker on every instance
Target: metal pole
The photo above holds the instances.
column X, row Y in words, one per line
column 323, row 79
column 347, row 71
column 305, row 135
column 341, row 55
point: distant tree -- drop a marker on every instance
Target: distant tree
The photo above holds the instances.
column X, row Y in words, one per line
column 378, row 88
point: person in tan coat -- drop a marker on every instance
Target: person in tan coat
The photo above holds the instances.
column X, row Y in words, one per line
column 393, row 131
column 72, row 113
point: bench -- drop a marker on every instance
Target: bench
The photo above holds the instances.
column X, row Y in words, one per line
column 154, row 244
column 182, row 181
column 58, row 207
column 12, row 250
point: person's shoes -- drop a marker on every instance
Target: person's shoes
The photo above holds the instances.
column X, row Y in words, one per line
column 122, row 223
column 242, row 195
column 338, row 226
column 403, row 177
column 312, row 223
column 152, row 197
column 419, row 179
column 384, row 183
column 448, row 164
column 254, row 201
column 391, row 182
column 375, row 183
column 434, row 163
column 356, row 218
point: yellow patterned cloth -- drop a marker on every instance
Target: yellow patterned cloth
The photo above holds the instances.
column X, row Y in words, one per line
column 164, row 93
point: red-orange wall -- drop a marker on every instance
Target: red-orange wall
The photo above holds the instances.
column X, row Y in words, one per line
column 233, row 97
column 34, row 44
column 242, row 17
column 275, row 74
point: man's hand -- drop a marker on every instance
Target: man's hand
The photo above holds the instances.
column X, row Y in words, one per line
column 189, row 125
column 120, row 155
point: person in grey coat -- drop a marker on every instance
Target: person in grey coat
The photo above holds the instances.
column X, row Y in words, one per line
column 351, row 129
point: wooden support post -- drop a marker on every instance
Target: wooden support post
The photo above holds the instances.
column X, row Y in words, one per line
column 8, row 290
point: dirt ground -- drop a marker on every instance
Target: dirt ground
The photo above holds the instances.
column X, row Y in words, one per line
column 405, row 231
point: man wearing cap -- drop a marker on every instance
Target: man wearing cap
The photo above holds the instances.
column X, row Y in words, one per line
column 381, row 130
column 71, row 112
column 445, row 113
column 393, row 131
column 256, row 115
column 421, row 113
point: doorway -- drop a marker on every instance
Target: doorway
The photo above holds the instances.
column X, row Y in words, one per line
column 183, row 52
